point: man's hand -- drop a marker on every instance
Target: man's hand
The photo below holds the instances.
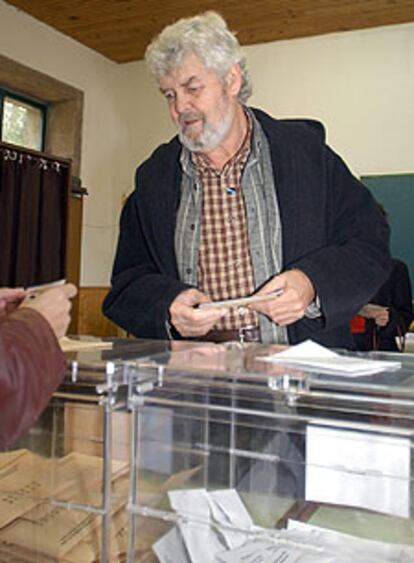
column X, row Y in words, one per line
column 188, row 320
column 297, row 293
column 55, row 305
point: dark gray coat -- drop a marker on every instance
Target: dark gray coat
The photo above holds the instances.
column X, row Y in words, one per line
column 332, row 231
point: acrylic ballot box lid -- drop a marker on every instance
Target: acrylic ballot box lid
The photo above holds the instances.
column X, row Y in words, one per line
column 240, row 368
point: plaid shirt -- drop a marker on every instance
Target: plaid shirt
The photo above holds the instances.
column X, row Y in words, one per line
column 263, row 220
column 225, row 268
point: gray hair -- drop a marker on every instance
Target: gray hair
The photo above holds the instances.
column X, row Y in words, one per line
column 208, row 37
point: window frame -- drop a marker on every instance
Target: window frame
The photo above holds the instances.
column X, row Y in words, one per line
column 29, row 100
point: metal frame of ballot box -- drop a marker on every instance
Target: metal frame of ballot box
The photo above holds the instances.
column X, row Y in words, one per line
column 108, row 382
column 109, row 400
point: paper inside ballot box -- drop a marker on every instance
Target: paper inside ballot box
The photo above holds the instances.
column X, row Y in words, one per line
column 27, row 477
column 84, row 433
column 84, row 430
column 70, row 536
column 50, row 533
column 28, row 481
column 14, row 554
column 36, row 526
column 148, row 530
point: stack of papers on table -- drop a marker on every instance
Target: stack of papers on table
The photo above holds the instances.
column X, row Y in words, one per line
column 314, row 357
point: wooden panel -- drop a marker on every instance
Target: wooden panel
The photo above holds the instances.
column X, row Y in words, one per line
column 91, row 320
column 73, row 255
column 122, row 30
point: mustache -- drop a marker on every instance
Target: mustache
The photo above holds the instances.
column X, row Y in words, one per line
column 189, row 116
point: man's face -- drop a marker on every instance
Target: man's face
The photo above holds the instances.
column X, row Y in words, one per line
column 200, row 103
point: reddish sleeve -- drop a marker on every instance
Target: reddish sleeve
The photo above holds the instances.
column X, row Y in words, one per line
column 31, row 367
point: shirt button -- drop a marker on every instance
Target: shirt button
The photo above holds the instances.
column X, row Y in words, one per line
column 192, row 226
column 189, row 270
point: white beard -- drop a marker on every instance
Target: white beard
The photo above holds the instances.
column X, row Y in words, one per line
column 210, row 137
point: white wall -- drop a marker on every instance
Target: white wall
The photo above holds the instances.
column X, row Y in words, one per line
column 106, row 168
column 360, row 84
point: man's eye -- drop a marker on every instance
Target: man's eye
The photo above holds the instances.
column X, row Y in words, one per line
column 194, row 89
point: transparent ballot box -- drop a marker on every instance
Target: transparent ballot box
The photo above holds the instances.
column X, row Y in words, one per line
column 261, row 461
column 194, row 452
column 64, row 486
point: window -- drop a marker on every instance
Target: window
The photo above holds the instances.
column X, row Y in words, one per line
column 22, row 121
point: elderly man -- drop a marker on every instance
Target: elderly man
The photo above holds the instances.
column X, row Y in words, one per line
column 240, row 204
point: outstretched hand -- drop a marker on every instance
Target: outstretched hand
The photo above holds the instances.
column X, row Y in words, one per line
column 55, row 305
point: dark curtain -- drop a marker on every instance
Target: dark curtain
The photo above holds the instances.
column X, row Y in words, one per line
column 33, row 217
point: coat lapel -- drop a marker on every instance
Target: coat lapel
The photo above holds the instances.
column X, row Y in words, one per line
column 158, row 197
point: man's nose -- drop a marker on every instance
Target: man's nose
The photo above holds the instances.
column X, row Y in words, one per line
column 182, row 104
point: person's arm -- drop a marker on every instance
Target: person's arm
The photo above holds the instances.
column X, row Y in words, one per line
column 31, row 367
column 350, row 266
column 31, row 362
column 142, row 291
column 353, row 261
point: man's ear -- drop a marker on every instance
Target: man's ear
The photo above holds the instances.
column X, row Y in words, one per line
column 234, row 80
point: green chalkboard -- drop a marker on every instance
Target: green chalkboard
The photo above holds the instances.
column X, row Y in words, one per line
column 396, row 193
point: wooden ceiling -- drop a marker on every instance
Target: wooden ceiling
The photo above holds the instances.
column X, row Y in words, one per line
column 121, row 29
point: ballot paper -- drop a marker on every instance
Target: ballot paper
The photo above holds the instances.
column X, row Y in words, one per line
column 361, row 469
column 79, row 344
column 241, row 301
column 229, row 512
column 50, row 529
column 370, row 550
column 30, row 520
column 222, row 512
column 24, row 480
column 194, row 528
column 267, row 551
column 314, row 357
column 171, row 548
column 218, row 519
column 305, row 543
